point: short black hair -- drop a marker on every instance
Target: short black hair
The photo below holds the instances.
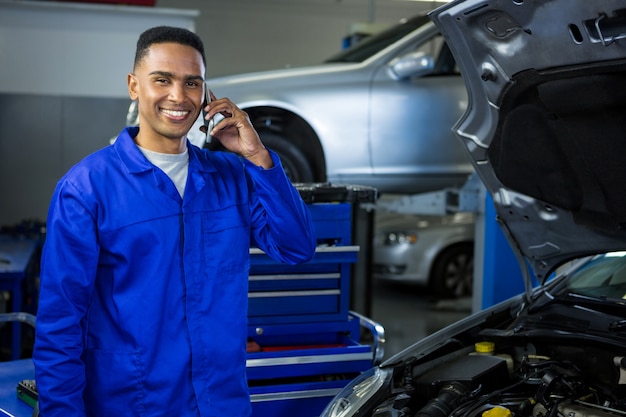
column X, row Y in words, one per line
column 165, row 34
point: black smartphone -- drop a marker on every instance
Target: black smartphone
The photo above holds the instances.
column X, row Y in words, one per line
column 210, row 143
column 208, row 124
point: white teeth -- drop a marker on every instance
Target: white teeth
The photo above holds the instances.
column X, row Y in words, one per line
column 175, row 113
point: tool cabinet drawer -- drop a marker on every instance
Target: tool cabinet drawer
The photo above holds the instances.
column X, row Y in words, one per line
column 330, row 349
column 332, row 223
column 332, row 361
column 314, row 291
column 298, row 369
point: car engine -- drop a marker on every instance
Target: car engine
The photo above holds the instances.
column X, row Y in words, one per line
column 548, row 378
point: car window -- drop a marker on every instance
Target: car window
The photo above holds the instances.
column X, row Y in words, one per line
column 432, row 46
column 439, row 50
column 435, row 47
column 375, row 43
column 603, row 277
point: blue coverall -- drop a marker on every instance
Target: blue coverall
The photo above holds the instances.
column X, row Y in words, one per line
column 143, row 298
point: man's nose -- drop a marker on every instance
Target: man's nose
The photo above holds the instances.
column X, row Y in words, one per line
column 177, row 93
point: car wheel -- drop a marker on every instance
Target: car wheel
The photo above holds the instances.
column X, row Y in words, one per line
column 453, row 273
column 293, row 159
column 295, row 164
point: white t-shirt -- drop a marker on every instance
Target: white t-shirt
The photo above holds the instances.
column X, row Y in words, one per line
column 174, row 165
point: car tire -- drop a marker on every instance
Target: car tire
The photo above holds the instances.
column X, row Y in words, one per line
column 453, row 272
column 294, row 161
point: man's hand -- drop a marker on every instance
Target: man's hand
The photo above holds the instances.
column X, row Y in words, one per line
column 236, row 133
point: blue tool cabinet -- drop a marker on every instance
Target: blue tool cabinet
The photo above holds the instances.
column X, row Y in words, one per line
column 299, row 316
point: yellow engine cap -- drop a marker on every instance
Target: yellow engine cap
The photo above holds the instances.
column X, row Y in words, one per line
column 485, row 347
column 497, row 411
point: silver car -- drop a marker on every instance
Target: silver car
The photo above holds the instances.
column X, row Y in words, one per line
column 434, row 251
column 378, row 114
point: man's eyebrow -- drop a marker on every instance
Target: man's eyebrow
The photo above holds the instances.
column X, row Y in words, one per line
column 194, row 78
column 171, row 75
column 162, row 73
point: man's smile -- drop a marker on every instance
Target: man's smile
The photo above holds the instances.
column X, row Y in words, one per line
column 175, row 114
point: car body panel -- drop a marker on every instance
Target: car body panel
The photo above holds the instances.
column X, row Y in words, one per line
column 374, row 129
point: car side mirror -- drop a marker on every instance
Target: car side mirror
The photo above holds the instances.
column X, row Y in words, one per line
column 412, row 64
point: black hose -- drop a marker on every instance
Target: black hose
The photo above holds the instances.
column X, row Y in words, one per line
column 448, row 398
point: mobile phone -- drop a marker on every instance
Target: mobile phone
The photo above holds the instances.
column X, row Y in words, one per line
column 208, row 124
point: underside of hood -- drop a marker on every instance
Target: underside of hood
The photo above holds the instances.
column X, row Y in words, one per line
column 546, row 121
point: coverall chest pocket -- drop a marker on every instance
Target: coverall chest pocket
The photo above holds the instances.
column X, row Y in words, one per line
column 226, row 238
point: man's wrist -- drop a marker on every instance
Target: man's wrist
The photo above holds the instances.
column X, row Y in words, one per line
column 261, row 159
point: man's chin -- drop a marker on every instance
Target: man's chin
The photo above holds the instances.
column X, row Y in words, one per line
column 174, row 134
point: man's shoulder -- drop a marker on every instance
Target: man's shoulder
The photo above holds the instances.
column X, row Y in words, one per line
column 97, row 164
column 98, row 158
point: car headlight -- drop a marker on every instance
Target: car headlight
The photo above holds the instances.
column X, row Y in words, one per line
column 356, row 394
column 397, row 238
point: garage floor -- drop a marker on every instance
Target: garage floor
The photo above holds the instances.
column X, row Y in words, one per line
column 409, row 313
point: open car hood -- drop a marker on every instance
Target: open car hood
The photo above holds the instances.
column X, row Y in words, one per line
column 546, row 120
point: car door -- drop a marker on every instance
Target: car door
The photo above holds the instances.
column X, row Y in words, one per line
column 411, row 138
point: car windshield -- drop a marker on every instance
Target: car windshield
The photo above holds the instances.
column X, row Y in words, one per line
column 604, row 277
column 372, row 44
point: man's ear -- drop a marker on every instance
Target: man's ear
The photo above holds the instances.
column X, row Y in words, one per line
column 133, row 88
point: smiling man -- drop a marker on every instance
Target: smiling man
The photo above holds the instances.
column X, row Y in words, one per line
column 144, row 274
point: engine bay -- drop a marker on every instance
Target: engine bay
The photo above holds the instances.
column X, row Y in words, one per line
column 531, row 379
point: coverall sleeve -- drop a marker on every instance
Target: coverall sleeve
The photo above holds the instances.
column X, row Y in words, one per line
column 281, row 222
column 68, row 269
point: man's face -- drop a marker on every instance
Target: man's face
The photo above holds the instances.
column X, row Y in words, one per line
column 168, row 84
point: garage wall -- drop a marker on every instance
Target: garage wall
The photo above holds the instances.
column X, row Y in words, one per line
column 40, row 138
column 250, row 35
column 63, row 91
column 63, row 65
